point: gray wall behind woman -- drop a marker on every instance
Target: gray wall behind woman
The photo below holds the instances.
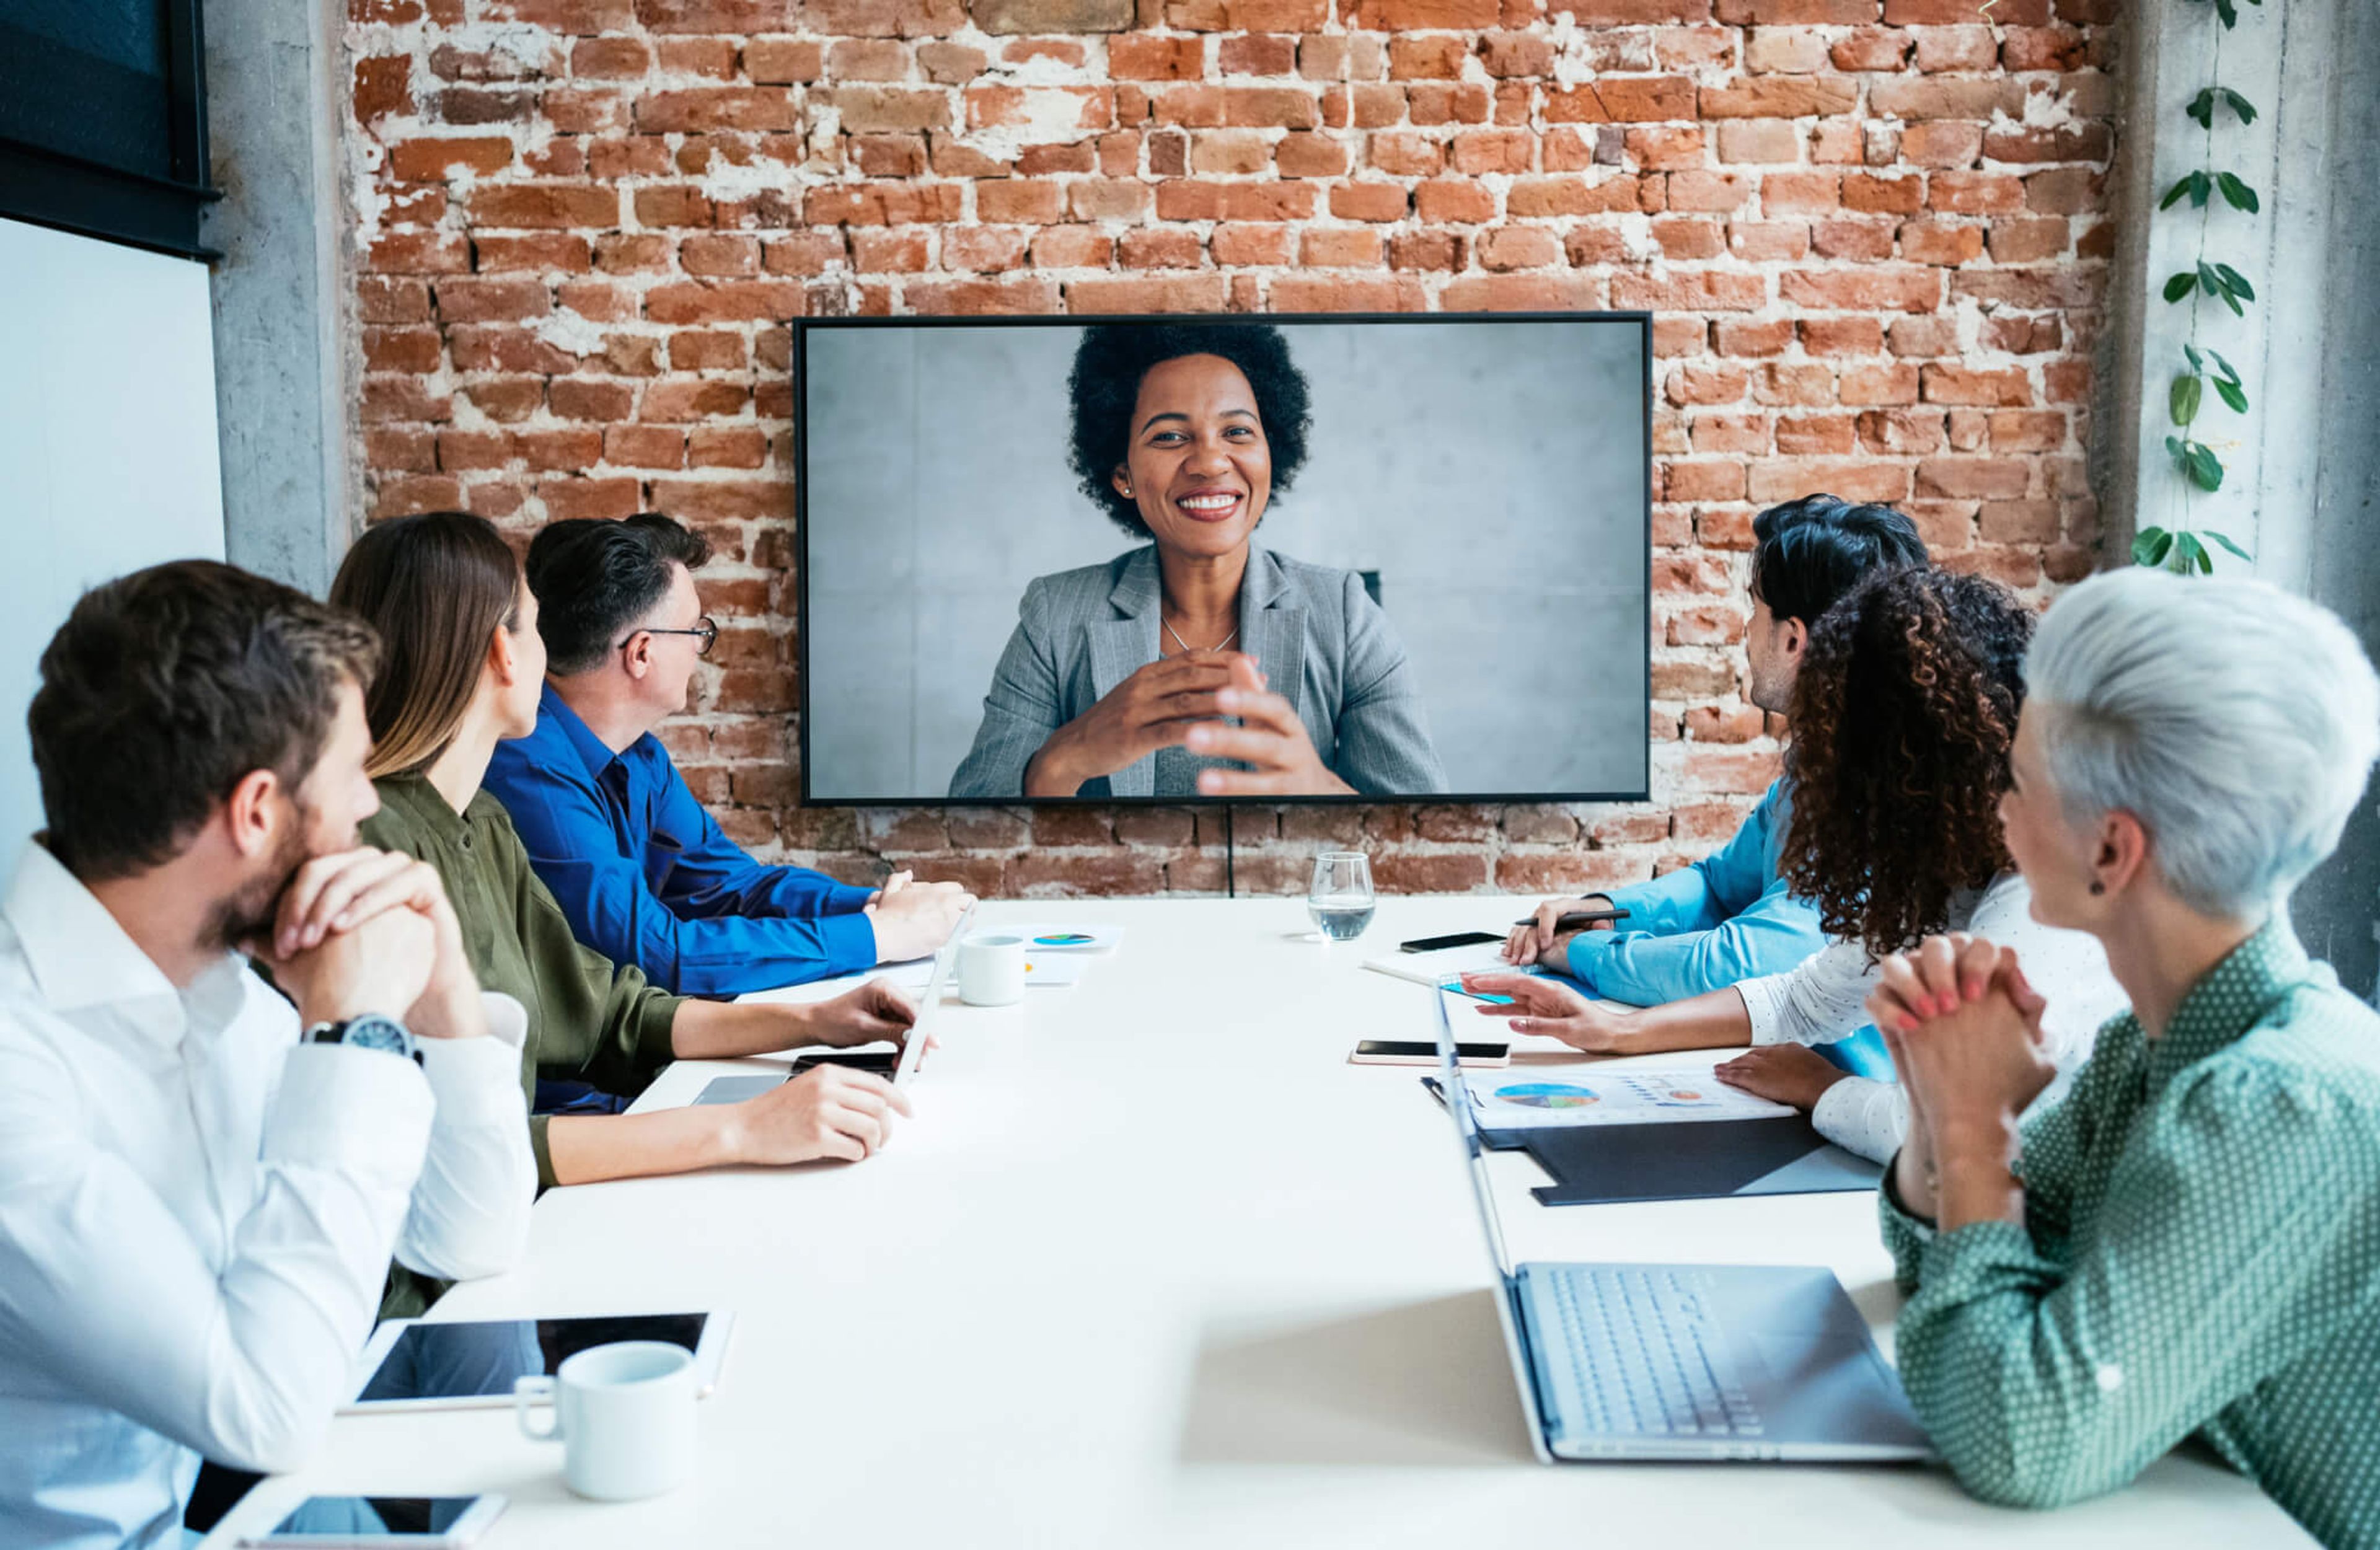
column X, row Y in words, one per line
column 1492, row 473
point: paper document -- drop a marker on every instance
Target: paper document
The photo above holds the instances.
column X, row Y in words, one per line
column 1507, row 1100
column 1044, row 937
column 1437, row 968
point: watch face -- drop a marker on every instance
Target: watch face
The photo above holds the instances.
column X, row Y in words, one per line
column 379, row 1032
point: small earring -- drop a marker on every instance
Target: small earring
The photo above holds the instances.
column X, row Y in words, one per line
column 2097, row 888
column 1127, row 490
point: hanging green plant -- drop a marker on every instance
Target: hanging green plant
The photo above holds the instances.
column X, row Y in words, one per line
column 2184, row 547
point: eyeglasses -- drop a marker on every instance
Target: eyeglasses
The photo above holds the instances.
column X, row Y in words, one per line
column 705, row 628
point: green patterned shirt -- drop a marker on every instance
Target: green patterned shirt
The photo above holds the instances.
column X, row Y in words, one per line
column 2201, row 1255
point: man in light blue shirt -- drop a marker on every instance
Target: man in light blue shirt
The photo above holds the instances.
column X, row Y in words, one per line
column 1728, row 916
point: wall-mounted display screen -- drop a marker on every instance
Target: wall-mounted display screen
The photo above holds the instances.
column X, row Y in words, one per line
column 1035, row 550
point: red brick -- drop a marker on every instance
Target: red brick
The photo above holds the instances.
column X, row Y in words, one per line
column 982, row 297
column 1780, row 97
column 1917, row 98
column 1339, row 248
column 1935, row 243
column 1148, row 57
column 431, row 160
column 1368, row 202
column 383, row 87
column 1198, row 292
column 1623, row 99
column 1957, row 384
column 1691, row 290
column 1857, row 479
column 555, row 205
column 1884, row 287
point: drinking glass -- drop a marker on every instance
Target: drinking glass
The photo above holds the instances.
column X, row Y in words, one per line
column 1340, row 900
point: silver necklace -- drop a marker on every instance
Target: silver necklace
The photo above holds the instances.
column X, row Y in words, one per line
column 1187, row 647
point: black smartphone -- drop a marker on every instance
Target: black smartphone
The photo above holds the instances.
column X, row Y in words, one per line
column 877, row 1062
column 1422, row 1052
column 1459, row 938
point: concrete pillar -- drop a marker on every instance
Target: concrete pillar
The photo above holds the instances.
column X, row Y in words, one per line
column 284, row 333
column 2302, row 485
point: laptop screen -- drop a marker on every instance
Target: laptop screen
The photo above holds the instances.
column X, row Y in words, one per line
column 1466, row 1130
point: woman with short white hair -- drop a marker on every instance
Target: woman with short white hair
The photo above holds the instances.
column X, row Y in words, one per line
column 2190, row 1244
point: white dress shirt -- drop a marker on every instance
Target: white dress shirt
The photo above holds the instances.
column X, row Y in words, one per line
column 197, row 1214
column 1823, row 1000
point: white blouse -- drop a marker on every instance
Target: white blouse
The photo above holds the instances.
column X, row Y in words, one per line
column 1821, row 1002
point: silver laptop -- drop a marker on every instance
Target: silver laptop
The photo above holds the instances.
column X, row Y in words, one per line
column 1666, row 1361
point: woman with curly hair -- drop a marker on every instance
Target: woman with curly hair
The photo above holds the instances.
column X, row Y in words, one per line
column 1200, row 662
column 1903, row 715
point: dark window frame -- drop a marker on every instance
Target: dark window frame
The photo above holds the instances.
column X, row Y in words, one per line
column 48, row 187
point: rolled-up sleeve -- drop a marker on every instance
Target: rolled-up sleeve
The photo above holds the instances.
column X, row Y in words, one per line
column 470, row 1215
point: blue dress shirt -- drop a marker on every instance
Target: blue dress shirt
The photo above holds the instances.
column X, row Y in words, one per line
column 646, row 877
column 1724, row 918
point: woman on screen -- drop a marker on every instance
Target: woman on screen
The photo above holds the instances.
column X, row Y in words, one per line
column 1199, row 662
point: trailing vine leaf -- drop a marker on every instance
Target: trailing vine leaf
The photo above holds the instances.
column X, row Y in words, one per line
column 2180, row 286
column 2229, row 545
column 2236, row 282
column 2240, row 105
column 2191, row 554
column 2229, row 12
column 2197, row 361
column 2238, row 195
column 2149, row 546
column 2188, row 390
column 2205, row 470
column 2231, row 393
column 2196, row 185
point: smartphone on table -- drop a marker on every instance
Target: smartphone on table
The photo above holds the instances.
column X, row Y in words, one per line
column 1424, row 1052
column 389, row 1522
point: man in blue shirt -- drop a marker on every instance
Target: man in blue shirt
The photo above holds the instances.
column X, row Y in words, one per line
column 1728, row 916
column 643, row 872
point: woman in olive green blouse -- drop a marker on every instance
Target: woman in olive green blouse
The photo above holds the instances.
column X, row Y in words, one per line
column 2190, row 1244
column 461, row 668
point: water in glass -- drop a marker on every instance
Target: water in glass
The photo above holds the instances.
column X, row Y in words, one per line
column 1340, row 900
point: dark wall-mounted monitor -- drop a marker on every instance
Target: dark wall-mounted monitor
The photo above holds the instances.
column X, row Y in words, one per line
column 1439, row 524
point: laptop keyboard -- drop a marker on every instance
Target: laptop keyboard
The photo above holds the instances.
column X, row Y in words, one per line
column 1641, row 1353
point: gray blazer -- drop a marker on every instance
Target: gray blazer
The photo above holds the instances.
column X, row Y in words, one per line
column 1317, row 634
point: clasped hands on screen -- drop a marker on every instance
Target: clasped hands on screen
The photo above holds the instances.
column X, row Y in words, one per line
column 1180, row 702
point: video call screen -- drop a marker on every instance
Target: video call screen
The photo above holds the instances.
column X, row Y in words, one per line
column 1439, row 527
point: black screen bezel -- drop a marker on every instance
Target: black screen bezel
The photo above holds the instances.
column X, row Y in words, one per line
column 803, row 327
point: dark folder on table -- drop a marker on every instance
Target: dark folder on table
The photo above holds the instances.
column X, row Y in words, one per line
column 1596, row 1165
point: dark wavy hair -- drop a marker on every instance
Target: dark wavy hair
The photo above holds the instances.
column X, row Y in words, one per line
column 1904, row 712
column 1105, row 384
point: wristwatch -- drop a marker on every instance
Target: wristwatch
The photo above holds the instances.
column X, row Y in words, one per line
column 371, row 1031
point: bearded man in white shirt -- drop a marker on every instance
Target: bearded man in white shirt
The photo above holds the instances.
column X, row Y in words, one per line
column 202, row 1186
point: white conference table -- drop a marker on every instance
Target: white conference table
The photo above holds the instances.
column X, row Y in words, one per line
column 1154, row 1267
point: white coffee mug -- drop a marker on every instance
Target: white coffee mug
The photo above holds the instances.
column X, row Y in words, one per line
column 991, row 970
column 624, row 1414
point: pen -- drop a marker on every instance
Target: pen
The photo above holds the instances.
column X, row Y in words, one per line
column 1582, row 917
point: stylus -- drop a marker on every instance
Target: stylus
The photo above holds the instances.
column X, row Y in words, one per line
column 1584, row 918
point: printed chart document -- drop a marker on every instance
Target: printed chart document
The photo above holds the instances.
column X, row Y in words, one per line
column 1046, row 938
column 1437, row 968
column 1507, row 1100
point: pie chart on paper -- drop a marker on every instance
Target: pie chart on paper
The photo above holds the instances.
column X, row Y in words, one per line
column 1548, row 1094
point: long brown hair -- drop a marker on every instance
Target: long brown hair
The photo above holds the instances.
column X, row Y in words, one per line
column 437, row 586
column 1904, row 710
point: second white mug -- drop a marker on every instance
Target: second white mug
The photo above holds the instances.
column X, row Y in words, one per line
column 991, row 970
column 624, row 1416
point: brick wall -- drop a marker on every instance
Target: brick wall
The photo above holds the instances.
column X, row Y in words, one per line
column 1873, row 232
